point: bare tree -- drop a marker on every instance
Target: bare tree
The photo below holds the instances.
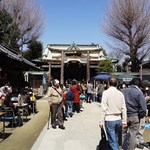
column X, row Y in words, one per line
column 128, row 24
column 116, row 55
column 26, row 15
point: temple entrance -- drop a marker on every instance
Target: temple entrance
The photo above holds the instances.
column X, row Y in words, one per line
column 75, row 71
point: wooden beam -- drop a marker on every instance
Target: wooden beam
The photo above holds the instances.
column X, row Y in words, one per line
column 88, row 67
column 62, row 68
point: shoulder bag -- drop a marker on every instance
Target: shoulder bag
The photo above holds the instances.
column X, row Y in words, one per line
column 103, row 143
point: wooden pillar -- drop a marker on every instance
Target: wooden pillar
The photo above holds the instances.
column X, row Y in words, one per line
column 62, row 68
column 88, row 66
column 49, row 71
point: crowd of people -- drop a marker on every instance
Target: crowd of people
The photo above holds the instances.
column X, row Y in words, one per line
column 65, row 100
column 123, row 112
column 15, row 102
column 124, row 108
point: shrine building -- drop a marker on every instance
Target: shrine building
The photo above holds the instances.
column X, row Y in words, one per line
column 75, row 61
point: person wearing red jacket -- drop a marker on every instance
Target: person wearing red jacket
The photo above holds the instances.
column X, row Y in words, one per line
column 75, row 89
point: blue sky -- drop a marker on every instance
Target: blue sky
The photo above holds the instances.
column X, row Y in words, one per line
column 79, row 21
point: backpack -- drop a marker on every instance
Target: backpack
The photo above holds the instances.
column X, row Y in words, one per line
column 101, row 88
column 69, row 95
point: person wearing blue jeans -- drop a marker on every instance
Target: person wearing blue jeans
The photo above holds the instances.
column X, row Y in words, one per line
column 113, row 135
column 113, row 113
column 69, row 111
column 69, row 100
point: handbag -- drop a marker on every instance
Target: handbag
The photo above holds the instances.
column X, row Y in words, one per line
column 103, row 143
column 141, row 114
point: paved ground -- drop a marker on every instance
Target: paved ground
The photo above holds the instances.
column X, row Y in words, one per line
column 82, row 132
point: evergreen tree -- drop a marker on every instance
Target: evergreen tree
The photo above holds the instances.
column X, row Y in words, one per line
column 34, row 50
column 105, row 66
column 8, row 30
column 5, row 20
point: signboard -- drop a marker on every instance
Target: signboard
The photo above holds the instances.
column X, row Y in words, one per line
column 127, row 79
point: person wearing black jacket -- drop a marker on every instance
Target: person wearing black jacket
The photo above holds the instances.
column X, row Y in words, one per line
column 136, row 109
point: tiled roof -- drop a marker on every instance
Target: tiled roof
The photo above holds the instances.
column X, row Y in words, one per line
column 16, row 56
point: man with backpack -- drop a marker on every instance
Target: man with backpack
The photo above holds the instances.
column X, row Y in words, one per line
column 100, row 89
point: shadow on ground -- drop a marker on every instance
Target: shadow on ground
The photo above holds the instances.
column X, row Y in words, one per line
column 5, row 136
column 24, row 137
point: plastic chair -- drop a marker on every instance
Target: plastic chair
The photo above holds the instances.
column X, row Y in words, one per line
column 23, row 112
column 9, row 116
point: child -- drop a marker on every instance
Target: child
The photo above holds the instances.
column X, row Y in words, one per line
column 82, row 98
